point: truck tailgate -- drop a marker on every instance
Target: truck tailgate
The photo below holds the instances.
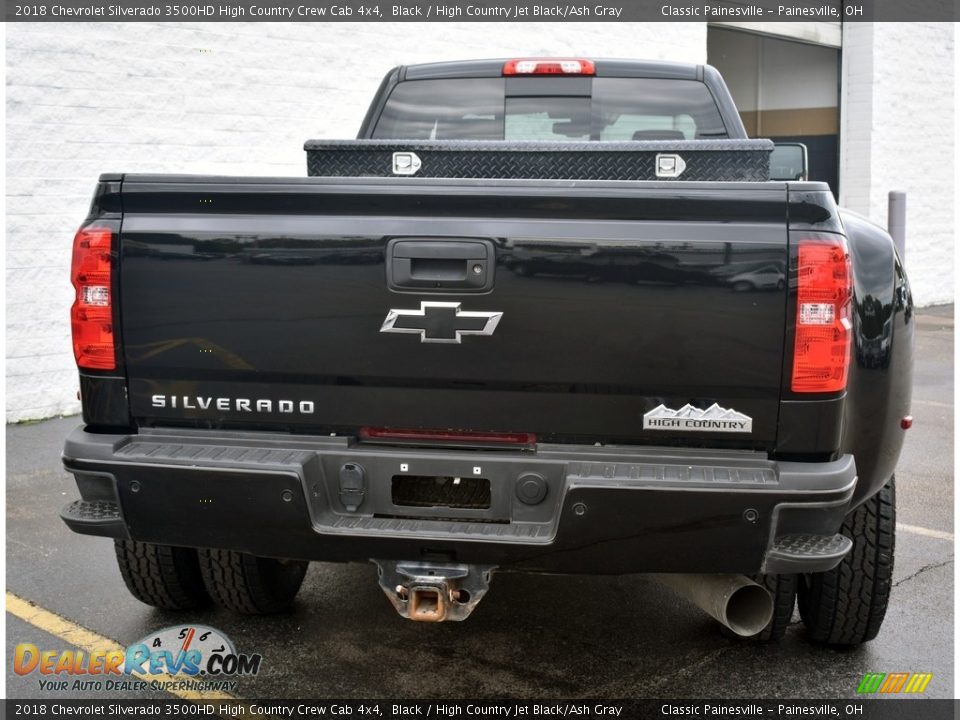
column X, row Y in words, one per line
column 582, row 307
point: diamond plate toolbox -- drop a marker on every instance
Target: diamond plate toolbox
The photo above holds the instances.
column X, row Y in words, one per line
column 702, row 160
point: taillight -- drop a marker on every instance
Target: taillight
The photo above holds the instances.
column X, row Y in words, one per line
column 821, row 355
column 92, row 311
column 555, row 66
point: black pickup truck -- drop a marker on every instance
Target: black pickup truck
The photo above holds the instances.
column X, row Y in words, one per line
column 542, row 316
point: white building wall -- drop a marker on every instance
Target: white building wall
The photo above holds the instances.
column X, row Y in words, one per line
column 856, row 117
column 897, row 133
column 233, row 99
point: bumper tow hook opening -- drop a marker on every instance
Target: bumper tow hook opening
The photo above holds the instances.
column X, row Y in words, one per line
column 433, row 592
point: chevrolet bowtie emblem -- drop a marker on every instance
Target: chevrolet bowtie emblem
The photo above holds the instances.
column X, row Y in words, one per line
column 441, row 322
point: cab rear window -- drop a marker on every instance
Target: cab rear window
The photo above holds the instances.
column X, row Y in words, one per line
column 616, row 109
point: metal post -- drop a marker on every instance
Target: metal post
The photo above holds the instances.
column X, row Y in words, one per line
column 897, row 220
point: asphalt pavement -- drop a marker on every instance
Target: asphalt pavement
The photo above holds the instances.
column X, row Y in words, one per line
column 539, row 637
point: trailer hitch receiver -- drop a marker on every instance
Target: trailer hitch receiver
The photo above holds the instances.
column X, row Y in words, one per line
column 433, row 592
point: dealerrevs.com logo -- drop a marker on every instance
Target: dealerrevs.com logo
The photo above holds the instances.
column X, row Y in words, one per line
column 192, row 657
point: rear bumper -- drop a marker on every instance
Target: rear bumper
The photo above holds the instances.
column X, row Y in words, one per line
column 604, row 510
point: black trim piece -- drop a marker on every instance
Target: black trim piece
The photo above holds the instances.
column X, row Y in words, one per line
column 105, row 401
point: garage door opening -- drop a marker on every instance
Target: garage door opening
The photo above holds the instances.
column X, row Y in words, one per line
column 785, row 90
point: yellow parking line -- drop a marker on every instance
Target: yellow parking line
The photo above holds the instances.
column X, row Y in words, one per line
column 80, row 637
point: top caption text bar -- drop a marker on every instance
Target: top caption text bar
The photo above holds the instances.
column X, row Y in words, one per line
column 483, row 11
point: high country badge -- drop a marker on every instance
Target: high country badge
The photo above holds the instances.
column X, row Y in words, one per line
column 689, row 418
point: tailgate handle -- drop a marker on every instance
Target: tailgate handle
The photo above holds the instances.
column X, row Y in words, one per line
column 440, row 265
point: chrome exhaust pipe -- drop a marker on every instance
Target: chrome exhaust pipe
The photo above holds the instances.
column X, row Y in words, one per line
column 735, row 601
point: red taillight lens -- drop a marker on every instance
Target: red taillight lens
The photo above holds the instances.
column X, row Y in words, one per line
column 821, row 355
column 92, row 311
column 447, row 436
column 555, row 66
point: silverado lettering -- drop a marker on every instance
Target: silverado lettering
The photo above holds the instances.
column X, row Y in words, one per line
column 186, row 402
column 617, row 343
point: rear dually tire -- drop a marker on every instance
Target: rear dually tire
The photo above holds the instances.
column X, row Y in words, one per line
column 163, row 576
column 249, row 584
column 846, row 605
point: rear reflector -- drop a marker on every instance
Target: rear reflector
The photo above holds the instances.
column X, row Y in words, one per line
column 821, row 356
column 92, row 312
column 447, row 436
column 555, row 66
